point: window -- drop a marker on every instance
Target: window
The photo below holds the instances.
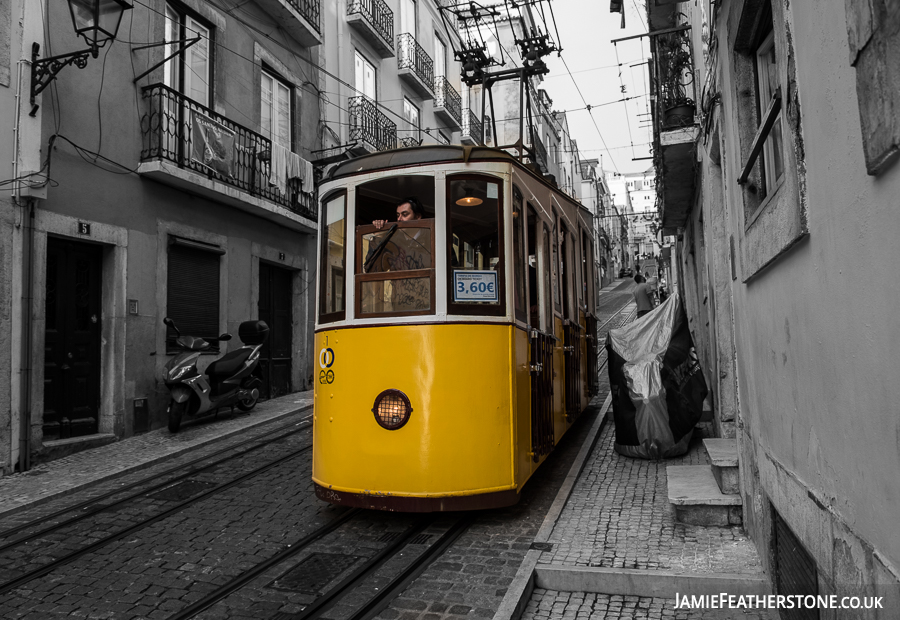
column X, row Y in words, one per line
column 365, row 77
column 408, row 17
column 534, row 303
column 440, row 57
column 193, row 290
column 475, row 266
column 769, row 171
column 275, row 110
column 518, row 214
column 411, row 114
column 334, row 253
column 189, row 72
column 874, row 48
column 555, row 263
column 767, row 91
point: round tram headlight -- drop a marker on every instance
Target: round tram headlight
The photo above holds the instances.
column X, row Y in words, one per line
column 392, row 409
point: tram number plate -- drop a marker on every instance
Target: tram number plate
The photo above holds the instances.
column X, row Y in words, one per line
column 475, row 286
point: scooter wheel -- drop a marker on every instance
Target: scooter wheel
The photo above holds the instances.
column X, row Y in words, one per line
column 176, row 412
column 248, row 403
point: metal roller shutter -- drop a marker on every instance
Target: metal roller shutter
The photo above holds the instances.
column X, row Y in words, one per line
column 795, row 571
column 193, row 292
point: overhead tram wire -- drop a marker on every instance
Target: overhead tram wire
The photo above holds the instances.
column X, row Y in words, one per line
column 589, row 109
column 627, row 119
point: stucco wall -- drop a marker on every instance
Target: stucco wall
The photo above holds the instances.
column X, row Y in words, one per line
column 816, row 333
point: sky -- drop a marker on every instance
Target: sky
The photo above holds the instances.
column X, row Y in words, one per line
column 586, row 28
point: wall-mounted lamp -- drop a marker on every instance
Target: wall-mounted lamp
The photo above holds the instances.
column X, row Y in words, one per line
column 97, row 22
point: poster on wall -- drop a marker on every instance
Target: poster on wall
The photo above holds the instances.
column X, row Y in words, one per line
column 212, row 144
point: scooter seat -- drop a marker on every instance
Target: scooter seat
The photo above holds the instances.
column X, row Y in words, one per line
column 228, row 364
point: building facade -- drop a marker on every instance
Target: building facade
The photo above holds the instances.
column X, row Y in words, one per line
column 778, row 172
column 173, row 180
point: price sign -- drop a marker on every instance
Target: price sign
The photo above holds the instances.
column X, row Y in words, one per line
column 475, row 286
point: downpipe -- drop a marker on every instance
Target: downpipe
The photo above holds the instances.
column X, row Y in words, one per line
column 27, row 336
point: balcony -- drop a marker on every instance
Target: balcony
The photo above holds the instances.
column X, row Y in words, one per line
column 189, row 146
column 540, row 156
column 374, row 21
column 471, row 129
column 369, row 127
column 447, row 103
column 675, row 130
column 415, row 66
column 301, row 19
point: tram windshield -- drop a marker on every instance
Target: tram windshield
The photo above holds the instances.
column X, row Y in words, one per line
column 395, row 247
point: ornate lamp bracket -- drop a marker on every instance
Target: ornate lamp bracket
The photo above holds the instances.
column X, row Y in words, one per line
column 44, row 71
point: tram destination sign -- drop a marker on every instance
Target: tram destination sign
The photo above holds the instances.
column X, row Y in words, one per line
column 475, row 286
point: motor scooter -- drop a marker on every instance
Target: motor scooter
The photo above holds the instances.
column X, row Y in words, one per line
column 228, row 381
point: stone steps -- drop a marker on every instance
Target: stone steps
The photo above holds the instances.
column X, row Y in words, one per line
column 697, row 499
column 724, row 461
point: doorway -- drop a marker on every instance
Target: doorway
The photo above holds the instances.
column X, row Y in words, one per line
column 72, row 339
column 275, row 296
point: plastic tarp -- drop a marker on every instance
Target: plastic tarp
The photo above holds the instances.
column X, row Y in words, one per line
column 656, row 382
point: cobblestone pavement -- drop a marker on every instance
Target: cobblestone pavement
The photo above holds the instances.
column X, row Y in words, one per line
column 618, row 516
column 546, row 604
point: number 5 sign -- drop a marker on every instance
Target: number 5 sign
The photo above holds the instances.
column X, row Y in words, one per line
column 475, row 286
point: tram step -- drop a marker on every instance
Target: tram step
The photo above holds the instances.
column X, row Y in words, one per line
column 696, row 497
column 724, row 460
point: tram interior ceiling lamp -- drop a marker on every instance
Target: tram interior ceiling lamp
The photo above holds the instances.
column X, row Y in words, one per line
column 468, row 200
column 97, row 22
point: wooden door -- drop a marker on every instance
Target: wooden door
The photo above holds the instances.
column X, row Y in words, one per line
column 72, row 339
column 275, row 298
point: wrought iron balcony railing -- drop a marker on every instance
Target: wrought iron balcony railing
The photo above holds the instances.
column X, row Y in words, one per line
column 310, row 10
column 192, row 136
column 540, row 155
column 445, row 96
column 369, row 125
column 471, row 126
column 672, row 76
column 377, row 13
column 412, row 56
column 409, row 141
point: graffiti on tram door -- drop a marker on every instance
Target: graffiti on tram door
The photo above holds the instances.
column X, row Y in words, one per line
column 326, row 360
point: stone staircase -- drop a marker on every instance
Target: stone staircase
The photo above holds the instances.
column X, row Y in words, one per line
column 707, row 494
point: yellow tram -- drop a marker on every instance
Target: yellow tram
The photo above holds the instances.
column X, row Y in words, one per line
column 453, row 348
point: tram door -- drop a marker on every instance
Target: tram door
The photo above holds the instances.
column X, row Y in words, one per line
column 571, row 331
column 275, row 293
column 72, row 339
column 541, row 340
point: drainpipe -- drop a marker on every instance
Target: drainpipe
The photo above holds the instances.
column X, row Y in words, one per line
column 27, row 328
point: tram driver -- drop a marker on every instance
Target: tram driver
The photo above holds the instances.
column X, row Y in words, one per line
column 408, row 210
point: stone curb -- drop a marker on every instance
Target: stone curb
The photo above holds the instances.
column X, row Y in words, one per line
column 645, row 583
column 147, row 459
column 520, row 590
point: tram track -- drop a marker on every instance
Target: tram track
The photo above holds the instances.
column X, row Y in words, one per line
column 353, row 589
column 67, row 558
column 295, row 427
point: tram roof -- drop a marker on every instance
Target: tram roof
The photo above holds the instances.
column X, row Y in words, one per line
column 432, row 154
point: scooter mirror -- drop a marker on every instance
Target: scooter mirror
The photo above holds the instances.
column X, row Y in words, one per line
column 225, row 337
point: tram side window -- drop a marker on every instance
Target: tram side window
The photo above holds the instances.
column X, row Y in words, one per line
column 334, row 253
column 554, row 265
column 548, row 280
column 564, row 264
column 476, row 283
column 518, row 214
column 534, row 314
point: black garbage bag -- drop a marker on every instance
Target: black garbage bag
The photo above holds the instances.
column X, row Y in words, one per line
column 656, row 381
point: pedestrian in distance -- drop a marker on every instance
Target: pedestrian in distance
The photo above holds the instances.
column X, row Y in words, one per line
column 642, row 296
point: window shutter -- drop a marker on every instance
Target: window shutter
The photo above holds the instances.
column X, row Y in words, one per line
column 193, row 292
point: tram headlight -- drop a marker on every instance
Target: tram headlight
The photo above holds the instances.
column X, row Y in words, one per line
column 392, row 409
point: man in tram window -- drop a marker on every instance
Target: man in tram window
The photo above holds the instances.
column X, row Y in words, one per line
column 402, row 249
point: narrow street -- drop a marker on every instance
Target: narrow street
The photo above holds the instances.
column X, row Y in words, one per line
column 232, row 529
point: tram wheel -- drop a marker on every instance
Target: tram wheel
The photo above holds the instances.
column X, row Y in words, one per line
column 176, row 412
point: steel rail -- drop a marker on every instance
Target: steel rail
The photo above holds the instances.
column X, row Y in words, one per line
column 99, row 498
column 71, row 557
